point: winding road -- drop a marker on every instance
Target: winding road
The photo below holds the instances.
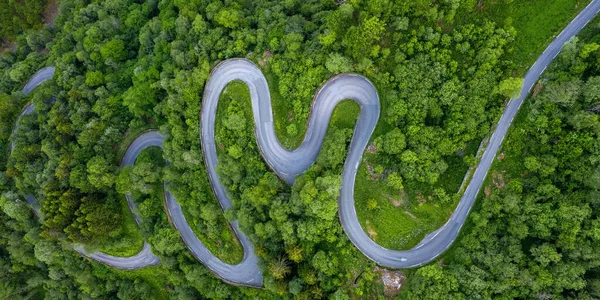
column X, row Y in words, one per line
column 289, row 163
column 440, row 240
column 247, row 272
column 145, row 257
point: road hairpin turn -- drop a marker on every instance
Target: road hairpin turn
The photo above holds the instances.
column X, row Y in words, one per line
column 289, row 163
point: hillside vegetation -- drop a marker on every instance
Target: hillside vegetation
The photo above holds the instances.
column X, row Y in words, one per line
column 443, row 70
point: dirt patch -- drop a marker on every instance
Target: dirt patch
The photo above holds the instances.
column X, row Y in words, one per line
column 372, row 233
column 265, row 59
column 411, row 215
column 392, row 281
column 372, row 173
column 487, row 191
column 268, row 54
column 501, row 156
column 403, row 196
column 498, row 180
column 371, row 149
column 421, row 198
column 537, row 88
column 7, row 46
column 50, row 13
column 397, row 202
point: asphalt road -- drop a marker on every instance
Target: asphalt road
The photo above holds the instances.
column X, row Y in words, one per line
column 286, row 163
column 289, row 163
column 145, row 257
column 246, row 272
column 438, row 241
column 38, row 78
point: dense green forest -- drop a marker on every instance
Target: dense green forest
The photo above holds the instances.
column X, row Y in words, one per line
column 18, row 16
column 443, row 70
column 536, row 232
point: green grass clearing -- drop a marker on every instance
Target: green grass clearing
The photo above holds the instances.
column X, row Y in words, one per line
column 398, row 221
column 401, row 220
column 130, row 241
column 226, row 246
column 283, row 115
column 537, row 22
column 156, row 276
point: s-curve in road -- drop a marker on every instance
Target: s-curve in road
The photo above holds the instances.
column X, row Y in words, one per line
column 438, row 241
column 246, row 272
column 289, row 163
column 145, row 257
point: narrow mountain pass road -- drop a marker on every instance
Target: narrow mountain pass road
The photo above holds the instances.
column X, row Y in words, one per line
column 247, row 272
column 290, row 163
column 38, row 78
column 440, row 240
column 145, row 257
column 287, row 164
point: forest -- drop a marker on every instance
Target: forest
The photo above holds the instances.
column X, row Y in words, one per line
column 444, row 71
column 535, row 233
